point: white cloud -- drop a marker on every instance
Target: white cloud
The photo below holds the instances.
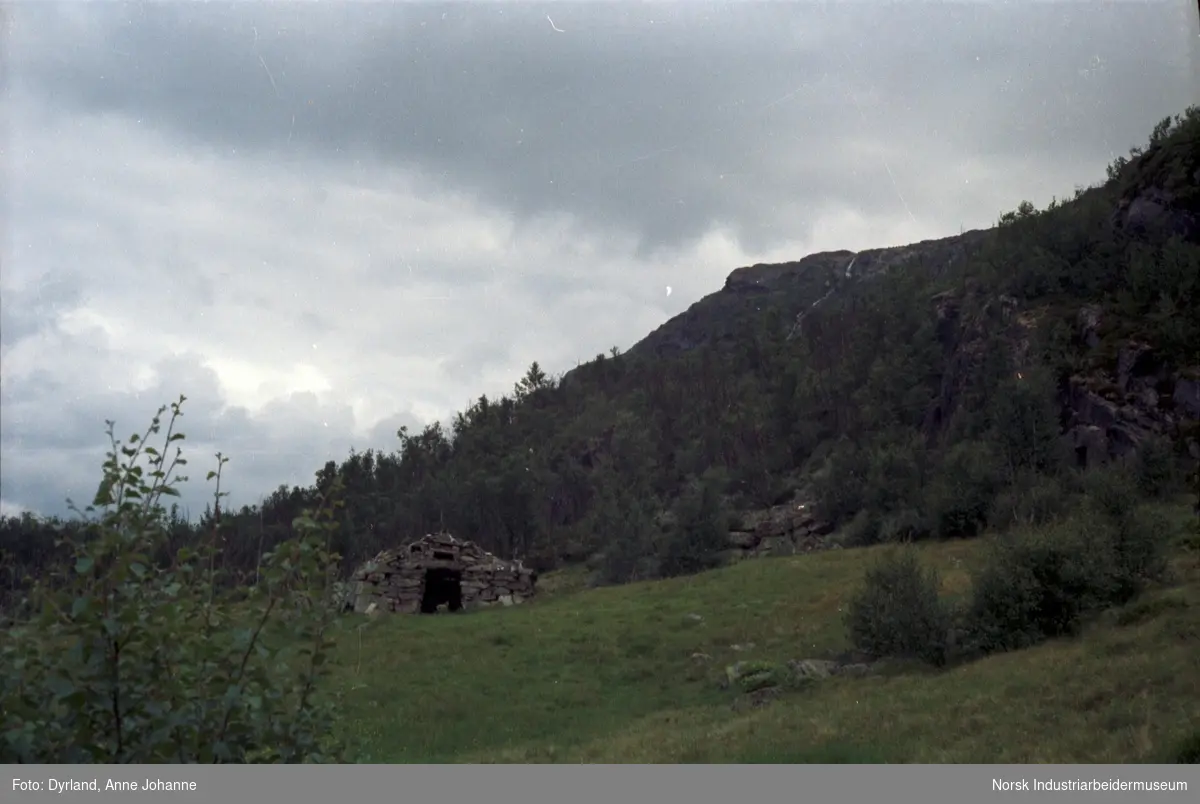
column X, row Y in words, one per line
column 332, row 300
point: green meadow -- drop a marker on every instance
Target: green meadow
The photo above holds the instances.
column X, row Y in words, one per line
column 634, row 673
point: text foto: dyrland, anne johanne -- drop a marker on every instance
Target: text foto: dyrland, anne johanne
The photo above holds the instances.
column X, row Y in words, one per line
column 96, row 786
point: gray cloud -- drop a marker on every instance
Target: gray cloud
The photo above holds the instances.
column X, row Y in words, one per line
column 325, row 221
column 631, row 117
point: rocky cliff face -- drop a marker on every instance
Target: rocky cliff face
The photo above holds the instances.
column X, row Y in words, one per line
column 1125, row 395
column 794, row 288
column 785, row 529
column 1108, row 411
column 1164, row 196
column 1111, row 411
column 964, row 337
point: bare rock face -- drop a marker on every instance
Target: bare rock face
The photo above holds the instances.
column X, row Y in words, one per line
column 767, row 277
column 1186, row 397
column 1133, row 360
column 964, row 342
column 1112, row 414
column 787, row 529
column 1154, row 210
column 1107, row 414
column 1089, row 325
column 723, row 317
column 937, row 255
column 1100, row 429
column 1162, row 201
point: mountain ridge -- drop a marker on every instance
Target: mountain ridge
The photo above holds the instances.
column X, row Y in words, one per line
column 800, row 284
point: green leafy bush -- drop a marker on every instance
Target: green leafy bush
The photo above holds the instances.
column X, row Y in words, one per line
column 1036, row 585
column 750, row 676
column 905, row 525
column 1039, row 584
column 840, row 486
column 701, row 533
column 1032, row 499
column 1157, row 469
column 898, row 613
column 1023, row 416
column 1140, row 537
column 1188, row 751
column 961, row 495
column 621, row 518
column 896, row 473
column 862, row 531
column 124, row 659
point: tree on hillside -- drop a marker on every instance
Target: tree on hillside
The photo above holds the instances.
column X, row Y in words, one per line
column 625, row 529
column 701, row 531
column 534, row 380
column 1025, row 422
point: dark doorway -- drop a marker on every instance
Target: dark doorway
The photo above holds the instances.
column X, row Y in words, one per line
column 442, row 586
column 1081, row 457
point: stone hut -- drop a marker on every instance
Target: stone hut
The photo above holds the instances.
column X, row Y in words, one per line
column 438, row 572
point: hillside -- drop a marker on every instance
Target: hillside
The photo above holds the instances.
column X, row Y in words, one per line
column 1017, row 410
column 881, row 387
column 638, row 673
column 795, row 288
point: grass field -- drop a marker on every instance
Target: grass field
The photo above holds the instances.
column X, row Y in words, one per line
column 630, row 674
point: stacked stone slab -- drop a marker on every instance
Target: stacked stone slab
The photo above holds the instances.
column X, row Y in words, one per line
column 779, row 530
column 394, row 580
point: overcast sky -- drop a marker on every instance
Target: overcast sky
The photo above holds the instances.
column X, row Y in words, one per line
column 325, row 221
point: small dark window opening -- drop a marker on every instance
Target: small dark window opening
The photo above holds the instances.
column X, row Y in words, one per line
column 1081, row 457
column 442, row 586
column 443, row 556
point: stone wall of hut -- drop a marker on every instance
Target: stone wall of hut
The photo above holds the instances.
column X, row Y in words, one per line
column 395, row 580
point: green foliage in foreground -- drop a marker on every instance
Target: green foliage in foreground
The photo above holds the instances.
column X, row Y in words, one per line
column 131, row 661
column 898, row 612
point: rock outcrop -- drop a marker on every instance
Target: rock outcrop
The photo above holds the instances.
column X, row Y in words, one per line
column 786, row 529
column 438, row 572
column 1155, row 211
column 1112, row 410
column 761, row 682
column 1109, row 414
column 966, row 340
column 1109, row 410
column 723, row 317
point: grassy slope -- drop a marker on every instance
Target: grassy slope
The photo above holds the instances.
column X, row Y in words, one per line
column 609, row 675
